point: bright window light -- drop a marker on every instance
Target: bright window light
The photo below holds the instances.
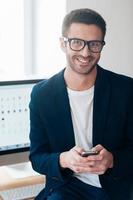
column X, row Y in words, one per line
column 29, row 38
column 47, row 56
column 11, row 38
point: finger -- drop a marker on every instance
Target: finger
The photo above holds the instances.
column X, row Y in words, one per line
column 88, row 164
column 98, row 148
column 95, row 158
column 76, row 158
column 79, row 150
column 90, row 169
column 81, row 169
column 99, row 172
column 95, row 170
column 79, row 160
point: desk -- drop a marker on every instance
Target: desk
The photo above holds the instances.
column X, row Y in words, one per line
column 7, row 182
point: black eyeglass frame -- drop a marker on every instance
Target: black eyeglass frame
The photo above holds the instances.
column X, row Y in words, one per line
column 102, row 42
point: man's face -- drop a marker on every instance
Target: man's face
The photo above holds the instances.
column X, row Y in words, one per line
column 83, row 61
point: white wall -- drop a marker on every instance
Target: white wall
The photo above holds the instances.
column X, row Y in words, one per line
column 118, row 52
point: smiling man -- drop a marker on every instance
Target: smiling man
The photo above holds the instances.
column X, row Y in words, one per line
column 83, row 108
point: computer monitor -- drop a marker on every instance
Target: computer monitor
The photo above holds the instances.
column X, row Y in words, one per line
column 14, row 120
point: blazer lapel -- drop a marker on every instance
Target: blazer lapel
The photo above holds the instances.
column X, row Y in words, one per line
column 64, row 112
column 100, row 109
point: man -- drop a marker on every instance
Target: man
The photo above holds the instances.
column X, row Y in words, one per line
column 84, row 107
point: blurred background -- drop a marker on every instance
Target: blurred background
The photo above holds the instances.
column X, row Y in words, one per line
column 30, row 31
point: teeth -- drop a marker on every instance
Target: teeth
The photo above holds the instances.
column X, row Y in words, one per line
column 83, row 61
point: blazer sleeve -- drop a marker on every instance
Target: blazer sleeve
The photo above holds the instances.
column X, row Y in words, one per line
column 123, row 157
column 43, row 161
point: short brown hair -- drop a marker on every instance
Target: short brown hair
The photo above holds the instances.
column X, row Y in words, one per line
column 85, row 16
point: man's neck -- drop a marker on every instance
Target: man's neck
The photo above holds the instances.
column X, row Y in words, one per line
column 79, row 82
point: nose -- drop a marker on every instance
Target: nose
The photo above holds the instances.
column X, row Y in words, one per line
column 86, row 51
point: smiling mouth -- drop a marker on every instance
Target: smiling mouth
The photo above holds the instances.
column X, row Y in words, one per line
column 84, row 61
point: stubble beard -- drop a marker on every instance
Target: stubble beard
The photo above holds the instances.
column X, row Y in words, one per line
column 83, row 71
column 74, row 64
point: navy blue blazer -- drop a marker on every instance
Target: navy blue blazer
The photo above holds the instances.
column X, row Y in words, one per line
column 52, row 131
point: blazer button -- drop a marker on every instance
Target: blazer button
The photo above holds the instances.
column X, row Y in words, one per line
column 51, row 190
column 55, row 178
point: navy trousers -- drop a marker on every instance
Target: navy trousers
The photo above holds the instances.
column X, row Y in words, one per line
column 77, row 190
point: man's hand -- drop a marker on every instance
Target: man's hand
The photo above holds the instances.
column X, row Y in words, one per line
column 73, row 160
column 100, row 166
column 96, row 164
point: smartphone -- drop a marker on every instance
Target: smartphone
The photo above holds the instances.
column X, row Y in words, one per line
column 89, row 153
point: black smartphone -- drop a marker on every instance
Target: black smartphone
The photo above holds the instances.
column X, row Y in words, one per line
column 89, row 153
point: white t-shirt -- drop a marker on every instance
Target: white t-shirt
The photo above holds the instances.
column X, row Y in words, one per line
column 81, row 104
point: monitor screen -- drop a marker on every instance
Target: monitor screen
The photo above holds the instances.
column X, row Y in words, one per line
column 14, row 115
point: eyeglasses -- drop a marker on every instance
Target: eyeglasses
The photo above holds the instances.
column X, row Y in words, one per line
column 76, row 44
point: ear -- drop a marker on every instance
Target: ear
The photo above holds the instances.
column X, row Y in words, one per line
column 62, row 44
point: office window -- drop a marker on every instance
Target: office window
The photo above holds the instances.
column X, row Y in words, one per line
column 47, row 55
column 29, row 38
column 11, row 38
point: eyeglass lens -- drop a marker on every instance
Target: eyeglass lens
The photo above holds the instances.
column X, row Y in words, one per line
column 77, row 45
